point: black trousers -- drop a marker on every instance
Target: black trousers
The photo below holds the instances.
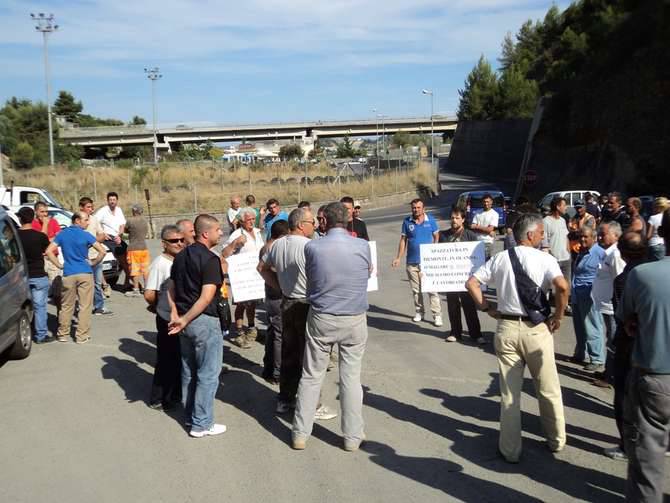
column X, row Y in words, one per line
column 456, row 301
column 166, row 386
column 294, row 322
column 273, row 339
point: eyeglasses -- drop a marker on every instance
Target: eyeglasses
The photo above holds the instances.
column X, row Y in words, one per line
column 174, row 240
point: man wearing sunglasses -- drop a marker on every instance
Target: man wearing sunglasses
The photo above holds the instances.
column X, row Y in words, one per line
column 166, row 387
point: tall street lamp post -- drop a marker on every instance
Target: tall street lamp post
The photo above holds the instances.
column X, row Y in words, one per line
column 153, row 74
column 45, row 24
column 429, row 92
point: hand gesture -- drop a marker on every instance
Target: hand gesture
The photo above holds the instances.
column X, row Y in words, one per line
column 553, row 324
column 240, row 241
column 395, row 263
column 176, row 326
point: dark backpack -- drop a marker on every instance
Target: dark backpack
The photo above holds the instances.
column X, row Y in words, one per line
column 532, row 297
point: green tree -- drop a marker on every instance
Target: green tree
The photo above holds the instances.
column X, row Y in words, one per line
column 402, row 139
column 478, row 97
column 291, row 151
column 23, row 155
column 517, row 96
column 346, row 149
column 66, row 106
column 137, row 121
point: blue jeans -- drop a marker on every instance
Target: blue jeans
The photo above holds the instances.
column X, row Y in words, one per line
column 201, row 358
column 589, row 326
column 98, row 298
column 39, row 291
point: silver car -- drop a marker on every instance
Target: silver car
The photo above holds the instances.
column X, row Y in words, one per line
column 16, row 310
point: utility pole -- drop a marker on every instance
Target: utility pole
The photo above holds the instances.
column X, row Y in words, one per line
column 429, row 92
column 45, row 24
column 153, row 74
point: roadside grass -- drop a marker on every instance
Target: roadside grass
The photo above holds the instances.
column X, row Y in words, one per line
column 201, row 187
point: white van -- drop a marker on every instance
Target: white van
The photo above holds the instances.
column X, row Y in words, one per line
column 15, row 196
column 571, row 196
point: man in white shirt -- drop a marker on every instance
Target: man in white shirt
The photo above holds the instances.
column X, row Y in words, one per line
column 113, row 224
column 233, row 213
column 556, row 235
column 246, row 239
column 485, row 224
column 519, row 341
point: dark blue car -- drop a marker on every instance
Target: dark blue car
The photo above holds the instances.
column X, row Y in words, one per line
column 472, row 203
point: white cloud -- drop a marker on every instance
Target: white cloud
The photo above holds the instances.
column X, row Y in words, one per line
column 364, row 33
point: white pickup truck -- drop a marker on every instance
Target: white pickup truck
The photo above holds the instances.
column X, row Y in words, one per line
column 15, row 196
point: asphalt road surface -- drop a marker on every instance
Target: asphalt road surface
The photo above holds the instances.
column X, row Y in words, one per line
column 75, row 426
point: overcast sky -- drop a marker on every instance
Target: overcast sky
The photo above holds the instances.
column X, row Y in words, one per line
column 257, row 60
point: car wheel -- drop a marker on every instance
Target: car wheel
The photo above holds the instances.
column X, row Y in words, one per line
column 24, row 342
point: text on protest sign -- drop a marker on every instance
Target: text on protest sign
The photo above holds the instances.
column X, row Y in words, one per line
column 445, row 267
column 245, row 281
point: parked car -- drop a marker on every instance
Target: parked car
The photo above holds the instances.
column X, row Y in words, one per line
column 110, row 266
column 16, row 196
column 16, row 309
column 571, row 196
column 472, row 203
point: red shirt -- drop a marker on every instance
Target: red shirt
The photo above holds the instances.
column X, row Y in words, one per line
column 52, row 227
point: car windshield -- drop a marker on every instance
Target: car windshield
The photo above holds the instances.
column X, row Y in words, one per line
column 477, row 202
column 51, row 199
column 63, row 219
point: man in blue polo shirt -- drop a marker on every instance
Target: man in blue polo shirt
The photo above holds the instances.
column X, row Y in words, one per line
column 274, row 213
column 418, row 229
column 74, row 242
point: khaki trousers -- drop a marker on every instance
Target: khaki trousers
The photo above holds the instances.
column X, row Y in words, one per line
column 76, row 287
column 517, row 344
column 413, row 274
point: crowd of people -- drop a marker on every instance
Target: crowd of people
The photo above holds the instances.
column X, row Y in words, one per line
column 605, row 266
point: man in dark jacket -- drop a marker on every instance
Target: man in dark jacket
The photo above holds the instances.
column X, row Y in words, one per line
column 457, row 300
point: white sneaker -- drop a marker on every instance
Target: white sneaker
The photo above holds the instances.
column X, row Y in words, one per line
column 615, row 453
column 323, row 413
column 215, row 429
column 417, row 317
column 438, row 321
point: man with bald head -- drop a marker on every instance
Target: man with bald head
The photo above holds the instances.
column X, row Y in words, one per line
column 233, row 212
column 193, row 294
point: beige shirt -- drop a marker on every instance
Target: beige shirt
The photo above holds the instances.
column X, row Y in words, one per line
column 94, row 228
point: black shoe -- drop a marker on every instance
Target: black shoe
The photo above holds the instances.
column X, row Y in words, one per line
column 156, row 405
column 47, row 339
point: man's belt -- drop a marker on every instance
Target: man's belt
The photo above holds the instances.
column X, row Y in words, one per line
column 514, row 317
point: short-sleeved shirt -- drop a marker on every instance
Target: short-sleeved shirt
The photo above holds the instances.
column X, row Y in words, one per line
column 75, row 242
column 53, row 227
column 556, row 234
column 655, row 221
column 586, row 266
column 93, row 229
column 603, row 284
column 192, row 268
column 486, row 219
column 231, row 215
column 418, row 234
column 338, row 267
column 541, row 267
column 35, row 244
column 647, row 296
column 449, row 236
column 254, row 241
column 159, row 273
column 358, row 229
column 287, row 257
column 137, row 229
column 111, row 222
column 269, row 220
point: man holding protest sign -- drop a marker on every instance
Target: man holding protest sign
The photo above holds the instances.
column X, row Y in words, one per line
column 246, row 239
column 417, row 229
column 455, row 300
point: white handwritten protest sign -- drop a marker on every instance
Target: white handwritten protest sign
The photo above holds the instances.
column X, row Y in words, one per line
column 373, row 280
column 445, row 267
column 245, row 281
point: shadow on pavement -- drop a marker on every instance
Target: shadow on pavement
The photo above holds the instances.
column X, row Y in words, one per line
column 443, row 475
column 381, row 323
column 256, row 399
column 478, row 445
